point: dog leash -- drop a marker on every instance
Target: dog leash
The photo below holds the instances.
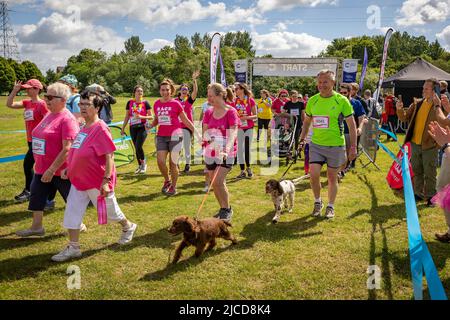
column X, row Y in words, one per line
column 216, row 171
column 286, row 170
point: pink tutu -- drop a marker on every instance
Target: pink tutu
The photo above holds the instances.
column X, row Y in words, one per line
column 442, row 198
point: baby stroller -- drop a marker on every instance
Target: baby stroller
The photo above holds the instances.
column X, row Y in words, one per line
column 285, row 127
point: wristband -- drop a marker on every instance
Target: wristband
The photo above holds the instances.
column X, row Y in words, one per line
column 107, row 179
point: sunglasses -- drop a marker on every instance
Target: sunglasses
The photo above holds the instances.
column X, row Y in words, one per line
column 343, row 92
column 49, row 97
column 283, row 96
column 85, row 105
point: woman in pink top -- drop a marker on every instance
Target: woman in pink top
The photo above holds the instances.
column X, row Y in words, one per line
column 92, row 173
column 280, row 101
column 168, row 113
column 51, row 142
column 138, row 112
column 35, row 110
column 187, row 101
column 248, row 113
column 220, row 127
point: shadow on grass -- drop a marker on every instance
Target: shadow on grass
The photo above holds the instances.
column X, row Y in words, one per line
column 30, row 266
column 260, row 230
column 379, row 217
column 13, row 243
column 8, row 218
column 7, row 203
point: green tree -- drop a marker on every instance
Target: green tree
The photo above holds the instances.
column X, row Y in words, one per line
column 32, row 71
column 18, row 69
column 7, row 76
column 50, row 76
column 134, row 45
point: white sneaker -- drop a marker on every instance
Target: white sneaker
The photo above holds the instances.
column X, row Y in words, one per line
column 143, row 168
column 83, row 228
column 138, row 170
column 30, row 233
column 127, row 236
column 68, row 253
column 206, row 188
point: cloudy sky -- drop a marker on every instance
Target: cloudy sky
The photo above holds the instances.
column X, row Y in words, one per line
column 50, row 31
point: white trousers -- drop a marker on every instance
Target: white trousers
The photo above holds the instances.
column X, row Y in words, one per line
column 77, row 203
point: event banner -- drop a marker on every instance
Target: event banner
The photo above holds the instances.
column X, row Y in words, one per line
column 223, row 77
column 215, row 52
column 240, row 70
column 287, row 67
column 364, row 69
column 383, row 62
column 349, row 70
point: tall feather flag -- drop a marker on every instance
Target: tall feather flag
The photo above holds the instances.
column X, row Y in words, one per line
column 387, row 38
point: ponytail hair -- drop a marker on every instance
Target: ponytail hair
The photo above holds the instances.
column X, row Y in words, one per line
column 168, row 82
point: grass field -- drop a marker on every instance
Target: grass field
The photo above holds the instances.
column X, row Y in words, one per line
column 299, row 258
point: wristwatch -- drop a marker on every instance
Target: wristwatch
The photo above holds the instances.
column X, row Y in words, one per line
column 445, row 146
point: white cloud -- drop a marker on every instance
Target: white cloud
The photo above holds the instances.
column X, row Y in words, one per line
column 444, row 36
column 51, row 41
column 238, row 15
column 160, row 13
column 268, row 5
column 287, row 44
column 420, row 12
column 280, row 26
column 156, row 44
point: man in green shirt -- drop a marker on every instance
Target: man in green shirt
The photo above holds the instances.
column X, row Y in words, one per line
column 326, row 111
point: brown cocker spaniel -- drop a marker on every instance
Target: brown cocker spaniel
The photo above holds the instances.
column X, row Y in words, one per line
column 199, row 233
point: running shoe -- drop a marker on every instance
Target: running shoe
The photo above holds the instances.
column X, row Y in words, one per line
column 24, row 196
column 172, row 191
column 166, row 186
column 318, row 207
column 329, row 213
column 68, row 253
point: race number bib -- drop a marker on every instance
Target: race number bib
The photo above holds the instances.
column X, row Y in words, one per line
column 321, row 122
column 260, row 110
column 164, row 121
column 295, row 112
column 38, row 146
column 244, row 123
column 78, row 142
column 134, row 121
column 28, row 115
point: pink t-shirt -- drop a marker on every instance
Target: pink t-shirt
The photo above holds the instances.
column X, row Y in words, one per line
column 278, row 104
column 87, row 160
column 187, row 107
column 245, row 108
column 33, row 114
column 48, row 136
column 217, row 131
column 141, row 108
column 167, row 114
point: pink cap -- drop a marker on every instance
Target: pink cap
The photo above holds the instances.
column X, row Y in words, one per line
column 33, row 83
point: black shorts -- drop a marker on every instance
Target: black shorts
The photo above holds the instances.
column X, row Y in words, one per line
column 263, row 124
column 213, row 163
column 40, row 191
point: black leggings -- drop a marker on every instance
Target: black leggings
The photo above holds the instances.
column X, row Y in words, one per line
column 244, row 143
column 28, row 164
column 262, row 124
column 138, row 135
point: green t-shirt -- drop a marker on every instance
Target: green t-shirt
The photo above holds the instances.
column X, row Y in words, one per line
column 328, row 116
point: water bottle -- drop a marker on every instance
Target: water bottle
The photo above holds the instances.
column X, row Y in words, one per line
column 101, row 210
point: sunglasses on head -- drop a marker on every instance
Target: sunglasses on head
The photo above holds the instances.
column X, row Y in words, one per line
column 49, row 97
